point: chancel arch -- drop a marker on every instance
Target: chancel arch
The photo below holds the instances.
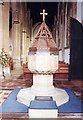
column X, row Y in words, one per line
column 76, row 47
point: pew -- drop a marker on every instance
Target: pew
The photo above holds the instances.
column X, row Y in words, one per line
column 26, row 71
column 11, row 63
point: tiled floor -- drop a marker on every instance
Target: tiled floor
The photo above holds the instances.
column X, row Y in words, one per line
column 17, row 81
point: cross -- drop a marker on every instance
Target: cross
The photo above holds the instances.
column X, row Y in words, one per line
column 43, row 14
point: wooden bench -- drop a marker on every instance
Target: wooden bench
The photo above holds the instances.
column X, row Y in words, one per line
column 27, row 74
column 11, row 63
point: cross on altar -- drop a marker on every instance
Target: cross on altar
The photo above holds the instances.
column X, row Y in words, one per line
column 43, row 14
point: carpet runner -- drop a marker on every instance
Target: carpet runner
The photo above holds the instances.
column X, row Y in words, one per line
column 10, row 105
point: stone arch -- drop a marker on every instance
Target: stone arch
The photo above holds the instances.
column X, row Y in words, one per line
column 35, row 30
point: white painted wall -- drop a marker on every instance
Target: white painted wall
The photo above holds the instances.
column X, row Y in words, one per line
column 82, row 10
column 60, row 55
column 79, row 11
column 66, row 55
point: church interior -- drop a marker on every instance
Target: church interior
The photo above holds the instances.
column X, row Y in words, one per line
column 41, row 60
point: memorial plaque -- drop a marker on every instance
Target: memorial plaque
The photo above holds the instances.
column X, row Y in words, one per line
column 46, row 98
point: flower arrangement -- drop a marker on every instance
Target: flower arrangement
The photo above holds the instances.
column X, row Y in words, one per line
column 4, row 60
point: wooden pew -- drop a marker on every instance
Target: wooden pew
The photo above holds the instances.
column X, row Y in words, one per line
column 62, row 73
column 11, row 63
column 27, row 74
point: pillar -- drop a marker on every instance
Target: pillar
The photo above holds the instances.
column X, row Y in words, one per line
column 29, row 29
column 27, row 19
column 6, row 26
column 4, row 36
column 1, row 27
column 16, row 34
column 57, row 27
column 67, row 49
column 65, row 25
column 1, row 34
column 82, row 12
column 16, row 43
column 79, row 11
column 74, row 9
column 24, row 52
column 63, row 30
column 24, row 35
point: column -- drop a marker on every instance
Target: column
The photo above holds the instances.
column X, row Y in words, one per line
column 74, row 9
column 65, row 25
column 6, row 26
column 1, row 34
column 24, row 34
column 1, row 26
column 68, row 24
column 29, row 31
column 67, row 49
column 54, row 30
column 27, row 34
column 60, row 33
column 16, row 44
column 4, row 35
column 79, row 11
column 24, row 51
column 82, row 12
column 16, row 34
column 57, row 27
column 63, row 30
